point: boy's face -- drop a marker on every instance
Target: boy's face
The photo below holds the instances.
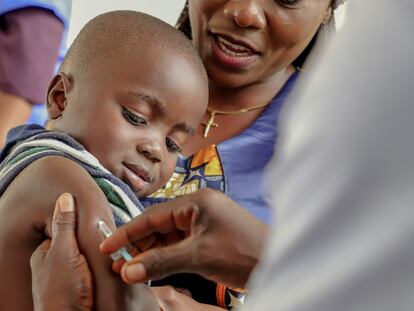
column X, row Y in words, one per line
column 133, row 115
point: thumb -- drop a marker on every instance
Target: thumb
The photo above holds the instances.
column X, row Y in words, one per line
column 159, row 262
column 64, row 222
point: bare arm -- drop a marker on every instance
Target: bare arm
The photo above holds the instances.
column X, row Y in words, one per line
column 41, row 183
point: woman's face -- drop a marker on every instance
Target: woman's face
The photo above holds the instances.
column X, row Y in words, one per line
column 243, row 42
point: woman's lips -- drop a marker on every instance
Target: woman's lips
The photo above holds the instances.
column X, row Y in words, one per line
column 231, row 54
column 134, row 178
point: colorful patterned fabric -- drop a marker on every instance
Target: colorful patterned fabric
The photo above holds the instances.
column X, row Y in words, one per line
column 28, row 143
column 235, row 166
column 199, row 171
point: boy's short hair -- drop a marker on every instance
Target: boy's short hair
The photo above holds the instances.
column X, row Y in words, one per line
column 118, row 34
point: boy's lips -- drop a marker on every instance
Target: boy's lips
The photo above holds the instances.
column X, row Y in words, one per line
column 136, row 176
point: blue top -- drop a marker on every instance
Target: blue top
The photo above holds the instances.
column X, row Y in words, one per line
column 235, row 166
column 245, row 157
column 61, row 8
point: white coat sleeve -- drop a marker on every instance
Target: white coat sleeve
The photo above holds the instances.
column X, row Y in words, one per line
column 342, row 180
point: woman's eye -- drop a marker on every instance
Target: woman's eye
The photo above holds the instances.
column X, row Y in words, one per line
column 172, row 146
column 132, row 117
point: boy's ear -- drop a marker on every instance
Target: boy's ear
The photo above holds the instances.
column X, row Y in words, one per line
column 57, row 93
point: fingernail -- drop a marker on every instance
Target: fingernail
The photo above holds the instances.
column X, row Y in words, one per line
column 135, row 272
column 66, row 203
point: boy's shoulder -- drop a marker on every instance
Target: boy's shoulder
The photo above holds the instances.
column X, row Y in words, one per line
column 17, row 134
column 57, row 161
column 34, row 191
column 32, row 149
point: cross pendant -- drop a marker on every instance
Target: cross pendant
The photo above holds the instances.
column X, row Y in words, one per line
column 209, row 124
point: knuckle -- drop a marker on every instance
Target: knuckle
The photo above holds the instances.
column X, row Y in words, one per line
column 155, row 262
column 214, row 196
column 84, row 287
column 76, row 262
column 64, row 222
column 159, row 263
column 209, row 198
column 200, row 255
column 209, row 193
column 82, row 294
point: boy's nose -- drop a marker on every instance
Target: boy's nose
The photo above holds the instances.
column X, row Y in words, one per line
column 245, row 13
column 152, row 149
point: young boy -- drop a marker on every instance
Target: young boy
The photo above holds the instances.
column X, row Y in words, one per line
column 131, row 91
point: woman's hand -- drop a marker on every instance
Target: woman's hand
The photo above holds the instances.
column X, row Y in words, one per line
column 170, row 299
column 61, row 279
column 204, row 233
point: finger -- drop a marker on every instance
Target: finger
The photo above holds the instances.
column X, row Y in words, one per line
column 39, row 253
column 64, row 223
column 158, row 263
column 146, row 243
column 117, row 265
column 162, row 218
column 43, row 247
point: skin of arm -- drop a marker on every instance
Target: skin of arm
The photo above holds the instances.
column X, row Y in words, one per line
column 26, row 210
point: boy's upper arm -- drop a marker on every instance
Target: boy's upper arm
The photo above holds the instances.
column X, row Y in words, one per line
column 55, row 175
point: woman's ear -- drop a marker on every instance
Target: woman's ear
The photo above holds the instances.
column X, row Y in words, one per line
column 57, row 95
column 328, row 15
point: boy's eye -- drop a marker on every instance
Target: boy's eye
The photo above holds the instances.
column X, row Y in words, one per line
column 132, row 117
column 288, row 2
column 172, row 146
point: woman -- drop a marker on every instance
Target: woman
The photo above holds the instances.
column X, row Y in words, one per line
column 253, row 51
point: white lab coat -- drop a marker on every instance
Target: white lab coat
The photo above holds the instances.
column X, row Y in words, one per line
column 342, row 180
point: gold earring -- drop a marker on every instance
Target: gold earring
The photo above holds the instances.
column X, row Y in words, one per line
column 328, row 16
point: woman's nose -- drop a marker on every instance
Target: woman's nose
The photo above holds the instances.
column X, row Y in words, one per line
column 245, row 13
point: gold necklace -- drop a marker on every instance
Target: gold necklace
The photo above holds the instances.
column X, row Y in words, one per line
column 211, row 121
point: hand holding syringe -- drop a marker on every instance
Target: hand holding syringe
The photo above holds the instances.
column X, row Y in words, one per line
column 120, row 253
